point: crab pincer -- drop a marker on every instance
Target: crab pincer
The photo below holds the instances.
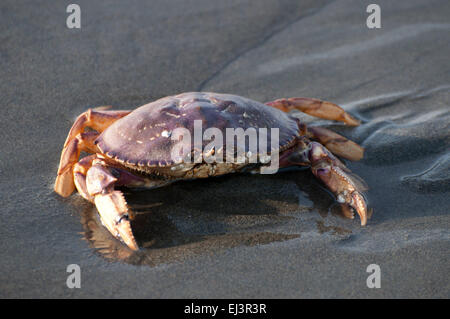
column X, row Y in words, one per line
column 110, row 203
column 346, row 186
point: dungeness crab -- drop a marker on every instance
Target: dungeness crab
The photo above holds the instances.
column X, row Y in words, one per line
column 135, row 149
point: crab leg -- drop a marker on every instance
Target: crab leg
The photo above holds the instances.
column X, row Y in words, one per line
column 346, row 186
column 97, row 119
column 322, row 109
column 64, row 184
column 336, row 143
column 78, row 141
column 80, row 170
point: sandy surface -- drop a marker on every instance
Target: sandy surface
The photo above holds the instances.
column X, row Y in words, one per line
column 274, row 236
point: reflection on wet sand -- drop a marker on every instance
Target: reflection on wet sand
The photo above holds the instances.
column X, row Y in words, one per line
column 177, row 222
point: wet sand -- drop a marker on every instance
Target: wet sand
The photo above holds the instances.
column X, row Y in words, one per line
column 277, row 236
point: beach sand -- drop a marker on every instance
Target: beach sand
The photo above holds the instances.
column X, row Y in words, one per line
column 237, row 236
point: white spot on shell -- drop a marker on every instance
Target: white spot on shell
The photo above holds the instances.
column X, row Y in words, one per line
column 166, row 133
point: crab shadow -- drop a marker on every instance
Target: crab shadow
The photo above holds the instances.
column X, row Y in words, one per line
column 198, row 217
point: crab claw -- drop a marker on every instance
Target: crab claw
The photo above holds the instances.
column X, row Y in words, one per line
column 114, row 215
column 346, row 186
column 111, row 204
column 356, row 201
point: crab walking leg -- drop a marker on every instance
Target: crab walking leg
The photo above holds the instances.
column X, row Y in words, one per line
column 346, row 186
column 337, row 144
column 80, row 170
column 96, row 119
column 64, row 184
column 318, row 108
column 110, row 203
column 78, row 140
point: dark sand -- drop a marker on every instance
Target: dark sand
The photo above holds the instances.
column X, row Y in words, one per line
column 240, row 235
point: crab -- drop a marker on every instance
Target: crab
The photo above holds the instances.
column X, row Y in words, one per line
column 135, row 149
